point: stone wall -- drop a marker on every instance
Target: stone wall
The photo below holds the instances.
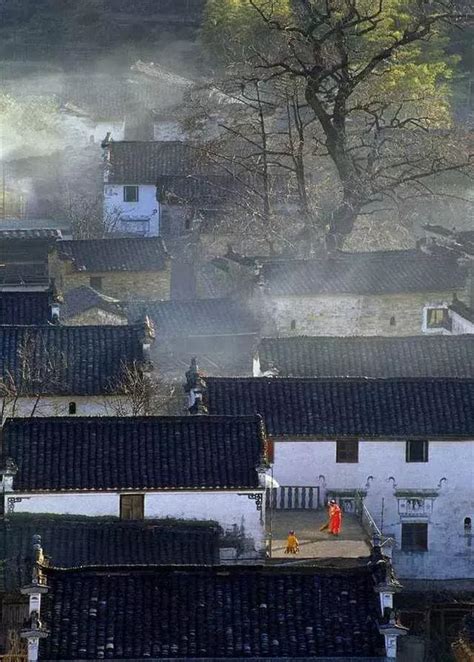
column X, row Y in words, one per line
column 122, row 285
column 94, row 316
column 345, row 315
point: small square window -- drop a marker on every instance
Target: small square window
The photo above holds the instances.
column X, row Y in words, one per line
column 293, row 325
column 132, row 506
column 415, row 537
column 347, row 451
column 72, row 408
column 437, row 318
column 130, row 193
column 95, row 282
column 417, row 451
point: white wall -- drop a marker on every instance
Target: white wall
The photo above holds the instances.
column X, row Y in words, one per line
column 147, row 207
column 227, row 508
column 59, row 406
column 382, row 471
column 459, row 324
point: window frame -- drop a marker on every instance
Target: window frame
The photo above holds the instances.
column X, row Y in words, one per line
column 344, row 449
column 411, row 545
column 72, row 408
column 127, row 189
column 137, row 504
column 443, row 323
column 425, row 452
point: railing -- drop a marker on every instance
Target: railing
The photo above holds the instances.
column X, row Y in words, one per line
column 293, row 497
column 369, row 525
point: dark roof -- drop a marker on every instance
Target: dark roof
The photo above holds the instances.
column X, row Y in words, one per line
column 25, row 307
column 352, row 407
column 198, row 317
column 377, row 272
column 81, row 299
column 233, row 612
column 68, row 360
column 121, row 254
column 135, row 162
column 462, row 309
column 31, row 233
column 76, row 541
column 24, row 274
column 101, row 453
column 203, row 189
column 417, row 356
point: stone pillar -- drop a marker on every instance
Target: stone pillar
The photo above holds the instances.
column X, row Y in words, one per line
column 391, row 631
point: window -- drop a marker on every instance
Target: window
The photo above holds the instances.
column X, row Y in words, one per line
column 130, row 193
column 417, row 451
column 467, row 525
column 293, row 325
column 415, row 537
column 72, row 408
column 437, row 318
column 132, row 506
column 347, row 451
column 95, row 282
column 393, row 321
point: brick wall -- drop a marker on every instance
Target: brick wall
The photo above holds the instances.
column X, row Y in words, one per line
column 343, row 315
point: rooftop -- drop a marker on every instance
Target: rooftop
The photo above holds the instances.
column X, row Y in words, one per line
column 25, row 307
column 81, row 299
column 50, row 234
column 197, row 317
column 115, row 254
column 348, row 406
column 68, row 360
column 76, row 541
column 105, row 453
column 326, row 356
column 376, row 272
column 233, row 612
column 144, row 162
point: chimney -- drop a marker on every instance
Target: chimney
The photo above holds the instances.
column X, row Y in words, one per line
column 195, row 388
column 148, row 339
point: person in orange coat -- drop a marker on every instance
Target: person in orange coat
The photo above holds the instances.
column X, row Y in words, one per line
column 292, row 544
column 335, row 518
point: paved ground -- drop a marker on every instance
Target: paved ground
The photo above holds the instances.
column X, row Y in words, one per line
column 351, row 543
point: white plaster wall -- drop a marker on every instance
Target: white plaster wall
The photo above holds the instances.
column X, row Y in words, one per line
column 381, row 470
column 147, row 207
column 68, row 504
column 229, row 509
column 59, row 406
column 115, row 128
column 460, row 325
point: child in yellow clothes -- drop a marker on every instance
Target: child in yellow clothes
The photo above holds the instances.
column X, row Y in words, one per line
column 292, row 544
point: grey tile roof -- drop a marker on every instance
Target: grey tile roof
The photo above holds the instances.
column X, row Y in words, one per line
column 81, row 299
column 31, row 233
column 68, row 360
column 102, row 453
column 233, row 612
column 377, row 272
column 115, row 254
column 25, row 307
column 196, row 317
column 142, row 162
column 417, row 356
column 72, row 541
column 348, row 406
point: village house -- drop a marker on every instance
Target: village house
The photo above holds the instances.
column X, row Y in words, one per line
column 359, row 356
column 84, row 305
column 123, row 268
column 79, row 541
column 161, row 187
column 24, row 258
column 63, row 370
column 201, row 468
column 223, row 332
column 401, row 447
column 216, row 613
column 385, row 293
